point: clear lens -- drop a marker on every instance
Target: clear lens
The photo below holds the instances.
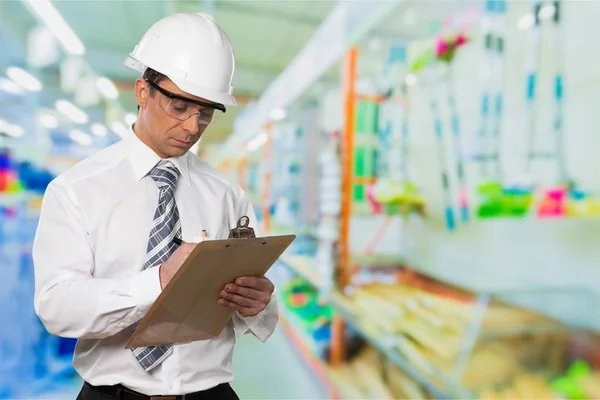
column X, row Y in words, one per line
column 183, row 110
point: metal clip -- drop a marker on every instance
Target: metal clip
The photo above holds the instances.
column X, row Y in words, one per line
column 242, row 230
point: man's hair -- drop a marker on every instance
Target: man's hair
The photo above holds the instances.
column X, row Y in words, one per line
column 154, row 77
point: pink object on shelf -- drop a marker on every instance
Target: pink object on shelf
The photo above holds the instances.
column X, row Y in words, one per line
column 461, row 39
column 441, row 47
column 553, row 203
column 462, row 198
column 375, row 205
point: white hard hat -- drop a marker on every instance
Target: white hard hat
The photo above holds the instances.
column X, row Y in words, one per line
column 192, row 51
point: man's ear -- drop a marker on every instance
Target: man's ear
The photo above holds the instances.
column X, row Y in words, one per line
column 142, row 92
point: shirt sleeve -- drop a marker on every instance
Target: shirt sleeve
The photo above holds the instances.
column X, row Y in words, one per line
column 69, row 300
column 261, row 325
column 264, row 323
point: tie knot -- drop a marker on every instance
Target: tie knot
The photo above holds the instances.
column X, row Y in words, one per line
column 165, row 174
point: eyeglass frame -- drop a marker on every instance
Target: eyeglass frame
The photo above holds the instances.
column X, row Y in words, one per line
column 171, row 95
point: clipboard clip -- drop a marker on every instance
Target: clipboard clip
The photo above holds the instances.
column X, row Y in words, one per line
column 242, row 229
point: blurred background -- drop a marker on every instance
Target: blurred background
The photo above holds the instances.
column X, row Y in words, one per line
column 435, row 159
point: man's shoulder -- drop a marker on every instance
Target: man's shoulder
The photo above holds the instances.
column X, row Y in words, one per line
column 205, row 171
column 93, row 165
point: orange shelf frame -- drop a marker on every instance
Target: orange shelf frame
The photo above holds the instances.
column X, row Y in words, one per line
column 349, row 88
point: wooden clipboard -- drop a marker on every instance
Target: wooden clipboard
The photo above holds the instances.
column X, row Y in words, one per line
column 187, row 309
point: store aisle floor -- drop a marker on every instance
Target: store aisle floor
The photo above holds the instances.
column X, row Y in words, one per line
column 272, row 370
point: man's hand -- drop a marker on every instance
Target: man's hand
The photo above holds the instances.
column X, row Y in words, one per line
column 247, row 295
column 172, row 265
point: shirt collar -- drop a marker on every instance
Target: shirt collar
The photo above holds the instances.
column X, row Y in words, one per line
column 143, row 158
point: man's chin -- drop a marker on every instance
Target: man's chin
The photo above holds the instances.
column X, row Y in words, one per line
column 178, row 151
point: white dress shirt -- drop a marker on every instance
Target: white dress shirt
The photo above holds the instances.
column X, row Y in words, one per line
column 89, row 252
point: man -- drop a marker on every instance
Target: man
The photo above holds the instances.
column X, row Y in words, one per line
column 106, row 241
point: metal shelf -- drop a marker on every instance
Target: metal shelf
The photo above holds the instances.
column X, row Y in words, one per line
column 277, row 229
column 377, row 260
column 302, row 266
column 14, row 199
column 449, row 391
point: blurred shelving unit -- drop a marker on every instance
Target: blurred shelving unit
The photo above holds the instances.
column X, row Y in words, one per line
column 387, row 345
column 303, row 266
column 436, row 330
column 318, row 366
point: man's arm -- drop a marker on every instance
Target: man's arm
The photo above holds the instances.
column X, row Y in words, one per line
column 68, row 299
column 264, row 323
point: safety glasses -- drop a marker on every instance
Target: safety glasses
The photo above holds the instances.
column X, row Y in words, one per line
column 183, row 108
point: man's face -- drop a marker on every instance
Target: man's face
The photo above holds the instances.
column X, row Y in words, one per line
column 166, row 135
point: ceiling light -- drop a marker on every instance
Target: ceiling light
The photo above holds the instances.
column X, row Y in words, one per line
column 45, row 11
column 24, row 78
column 119, row 128
column 15, row 130
column 72, row 111
column 80, row 137
column 547, row 11
column 526, row 22
column 49, row 121
column 278, row 114
column 107, row 88
column 11, row 130
column 99, row 130
column 130, row 118
column 8, row 86
column 258, row 141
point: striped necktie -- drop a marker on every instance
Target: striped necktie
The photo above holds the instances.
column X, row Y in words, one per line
column 165, row 226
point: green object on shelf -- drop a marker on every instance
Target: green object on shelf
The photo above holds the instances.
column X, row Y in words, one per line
column 570, row 384
column 15, row 187
column 367, row 115
column 422, row 61
column 496, row 202
column 491, row 189
column 359, row 193
column 516, row 204
column 359, row 162
column 369, row 160
column 491, row 209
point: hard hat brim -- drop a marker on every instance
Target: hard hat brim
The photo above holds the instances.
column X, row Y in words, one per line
column 188, row 87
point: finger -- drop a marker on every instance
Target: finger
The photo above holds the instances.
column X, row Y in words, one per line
column 244, row 311
column 259, row 283
column 242, row 301
column 228, row 304
column 247, row 281
column 248, row 292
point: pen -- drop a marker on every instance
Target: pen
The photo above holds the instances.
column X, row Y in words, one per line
column 177, row 241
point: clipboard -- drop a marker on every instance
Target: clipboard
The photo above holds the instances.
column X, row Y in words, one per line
column 187, row 309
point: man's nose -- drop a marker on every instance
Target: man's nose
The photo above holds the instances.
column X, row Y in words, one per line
column 190, row 125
